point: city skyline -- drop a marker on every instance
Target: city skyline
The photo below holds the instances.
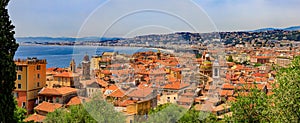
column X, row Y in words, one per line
column 125, row 19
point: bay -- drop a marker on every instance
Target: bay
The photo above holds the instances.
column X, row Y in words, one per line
column 60, row 56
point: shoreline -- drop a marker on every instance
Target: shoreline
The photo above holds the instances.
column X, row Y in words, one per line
column 122, row 46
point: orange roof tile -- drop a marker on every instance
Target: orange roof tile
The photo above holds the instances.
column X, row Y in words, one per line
column 74, row 101
column 112, row 87
column 35, row 118
column 185, row 99
column 228, row 86
column 176, row 85
column 106, row 72
column 226, row 92
column 127, row 102
column 48, row 107
column 141, row 92
column 66, row 74
column 57, row 91
column 117, row 93
column 260, row 74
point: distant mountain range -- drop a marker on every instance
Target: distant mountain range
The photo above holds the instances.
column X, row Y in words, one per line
column 70, row 39
column 292, row 28
column 63, row 39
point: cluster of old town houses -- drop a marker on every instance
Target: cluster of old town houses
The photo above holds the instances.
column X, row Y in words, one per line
column 136, row 83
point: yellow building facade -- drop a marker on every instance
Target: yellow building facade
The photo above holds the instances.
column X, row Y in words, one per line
column 31, row 78
column 64, row 79
column 95, row 60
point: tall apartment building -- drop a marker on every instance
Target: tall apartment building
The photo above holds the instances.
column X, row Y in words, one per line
column 95, row 60
column 31, row 78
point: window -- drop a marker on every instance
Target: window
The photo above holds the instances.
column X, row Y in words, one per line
column 19, row 68
column 174, row 98
column 19, row 77
column 16, row 94
column 38, row 84
column 58, row 79
column 216, row 72
column 38, row 67
column 23, row 104
column 38, row 75
column 19, row 86
column 57, row 99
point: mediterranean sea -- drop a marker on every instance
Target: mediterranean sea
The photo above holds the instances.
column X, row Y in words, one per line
column 60, row 56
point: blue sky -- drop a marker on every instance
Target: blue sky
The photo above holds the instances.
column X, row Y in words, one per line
column 127, row 18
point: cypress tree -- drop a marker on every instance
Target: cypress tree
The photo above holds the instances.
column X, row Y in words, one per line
column 8, row 47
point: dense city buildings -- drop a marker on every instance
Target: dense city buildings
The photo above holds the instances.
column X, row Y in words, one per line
column 188, row 74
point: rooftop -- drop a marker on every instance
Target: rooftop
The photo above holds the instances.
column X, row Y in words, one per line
column 57, row 91
column 48, row 107
column 35, row 118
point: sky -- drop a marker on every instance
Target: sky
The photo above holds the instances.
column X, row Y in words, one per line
column 128, row 18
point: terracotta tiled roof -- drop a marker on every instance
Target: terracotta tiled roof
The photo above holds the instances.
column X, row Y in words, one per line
column 189, row 94
column 185, row 99
column 228, row 86
column 57, row 91
column 221, row 107
column 74, row 101
column 259, row 75
column 176, row 85
column 141, row 92
column 117, row 93
column 66, row 74
column 226, row 92
column 109, row 89
column 106, row 72
column 262, row 57
column 35, row 118
column 51, row 72
column 127, row 102
column 112, row 87
column 48, row 107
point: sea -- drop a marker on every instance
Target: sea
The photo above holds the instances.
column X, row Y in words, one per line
column 60, row 56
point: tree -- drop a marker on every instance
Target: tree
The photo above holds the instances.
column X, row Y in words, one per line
column 257, row 64
column 230, row 59
column 253, row 107
column 193, row 116
column 19, row 113
column 171, row 113
column 167, row 113
column 103, row 112
column 287, row 93
column 282, row 106
column 75, row 114
column 96, row 110
column 8, row 47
